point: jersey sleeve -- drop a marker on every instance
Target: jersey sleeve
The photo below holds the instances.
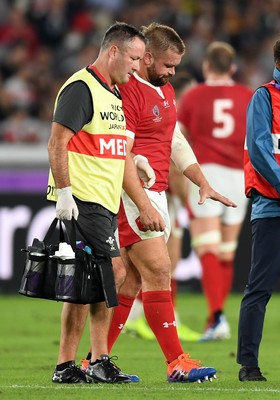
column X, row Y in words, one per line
column 74, row 107
column 183, row 108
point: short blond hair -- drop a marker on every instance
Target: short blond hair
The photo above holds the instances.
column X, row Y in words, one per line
column 220, row 56
column 161, row 38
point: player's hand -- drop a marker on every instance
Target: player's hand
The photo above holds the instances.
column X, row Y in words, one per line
column 145, row 171
column 150, row 220
column 207, row 192
column 66, row 207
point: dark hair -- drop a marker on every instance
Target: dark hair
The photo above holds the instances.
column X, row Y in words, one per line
column 162, row 38
column 220, row 56
column 276, row 51
column 121, row 32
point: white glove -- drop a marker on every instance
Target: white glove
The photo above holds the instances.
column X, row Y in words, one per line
column 145, row 171
column 66, row 208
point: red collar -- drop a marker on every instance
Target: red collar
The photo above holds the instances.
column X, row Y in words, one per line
column 100, row 76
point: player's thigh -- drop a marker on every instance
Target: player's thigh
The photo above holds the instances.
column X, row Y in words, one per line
column 209, row 208
column 205, row 224
column 151, row 258
column 230, row 183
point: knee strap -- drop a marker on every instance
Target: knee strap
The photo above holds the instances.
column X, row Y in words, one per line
column 210, row 237
column 228, row 247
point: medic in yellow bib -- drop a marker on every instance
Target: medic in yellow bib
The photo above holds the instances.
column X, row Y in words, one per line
column 96, row 153
column 87, row 155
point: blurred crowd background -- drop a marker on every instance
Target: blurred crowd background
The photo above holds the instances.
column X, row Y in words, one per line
column 42, row 42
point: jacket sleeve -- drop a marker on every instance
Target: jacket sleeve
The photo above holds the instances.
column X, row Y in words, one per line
column 259, row 138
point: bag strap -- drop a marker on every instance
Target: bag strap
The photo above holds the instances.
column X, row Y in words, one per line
column 63, row 234
column 51, row 230
column 72, row 235
column 108, row 281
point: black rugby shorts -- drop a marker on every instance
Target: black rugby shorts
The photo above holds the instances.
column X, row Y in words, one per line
column 99, row 227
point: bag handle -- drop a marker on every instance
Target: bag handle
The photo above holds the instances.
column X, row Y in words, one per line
column 66, row 236
column 63, row 234
column 51, row 231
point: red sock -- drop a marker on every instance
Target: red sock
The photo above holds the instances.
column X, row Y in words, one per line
column 159, row 312
column 173, row 291
column 228, row 272
column 212, row 282
column 120, row 315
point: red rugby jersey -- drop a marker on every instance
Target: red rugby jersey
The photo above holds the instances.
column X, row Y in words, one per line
column 215, row 116
column 151, row 115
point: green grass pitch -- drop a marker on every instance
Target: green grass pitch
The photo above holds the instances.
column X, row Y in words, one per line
column 29, row 340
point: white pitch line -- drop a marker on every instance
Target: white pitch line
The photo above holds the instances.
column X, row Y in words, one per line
column 184, row 388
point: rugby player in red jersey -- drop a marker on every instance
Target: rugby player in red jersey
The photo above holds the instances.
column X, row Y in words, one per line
column 212, row 115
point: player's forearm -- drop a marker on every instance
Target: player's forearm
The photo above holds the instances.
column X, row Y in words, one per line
column 195, row 174
column 132, row 185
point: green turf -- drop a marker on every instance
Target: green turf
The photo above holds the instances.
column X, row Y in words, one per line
column 29, row 339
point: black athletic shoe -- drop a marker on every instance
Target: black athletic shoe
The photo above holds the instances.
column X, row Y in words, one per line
column 250, row 374
column 105, row 371
column 72, row 374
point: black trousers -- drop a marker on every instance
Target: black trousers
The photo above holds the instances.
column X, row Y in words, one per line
column 263, row 278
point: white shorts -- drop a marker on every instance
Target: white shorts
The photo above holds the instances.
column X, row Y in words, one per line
column 174, row 206
column 230, row 183
column 129, row 230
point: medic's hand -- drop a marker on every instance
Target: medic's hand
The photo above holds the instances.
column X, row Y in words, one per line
column 145, row 171
column 66, row 208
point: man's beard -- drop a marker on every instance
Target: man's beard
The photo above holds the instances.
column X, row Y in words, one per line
column 156, row 80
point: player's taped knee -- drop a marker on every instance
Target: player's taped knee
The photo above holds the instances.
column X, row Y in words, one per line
column 228, row 247
column 210, row 237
